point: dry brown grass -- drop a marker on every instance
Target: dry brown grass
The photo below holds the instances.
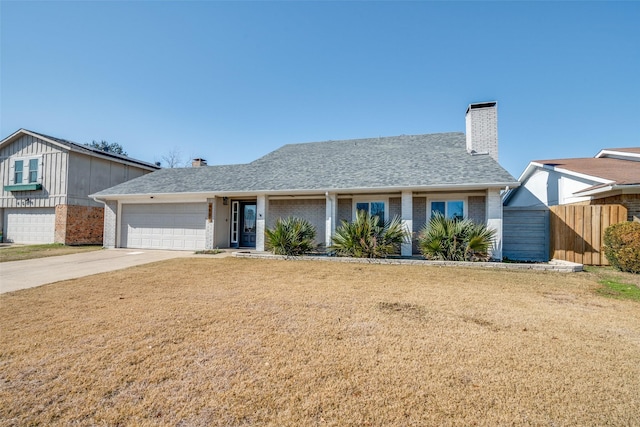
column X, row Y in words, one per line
column 252, row 342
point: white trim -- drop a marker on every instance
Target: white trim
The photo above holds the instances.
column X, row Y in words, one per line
column 406, row 214
column 364, row 199
column 331, row 215
column 608, row 188
column 118, row 224
column 262, row 204
column 450, row 198
column 25, row 169
column 355, row 192
column 235, row 222
column 620, row 155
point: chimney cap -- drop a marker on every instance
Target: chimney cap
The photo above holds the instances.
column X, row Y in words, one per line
column 197, row 162
column 481, row 105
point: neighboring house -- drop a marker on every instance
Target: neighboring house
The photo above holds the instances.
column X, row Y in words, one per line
column 611, row 177
column 409, row 176
column 46, row 183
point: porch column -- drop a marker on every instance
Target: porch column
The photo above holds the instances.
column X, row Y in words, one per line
column 331, row 213
column 210, row 237
column 494, row 220
column 407, row 221
column 261, row 216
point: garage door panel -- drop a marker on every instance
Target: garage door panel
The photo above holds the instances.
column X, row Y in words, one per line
column 29, row 225
column 166, row 226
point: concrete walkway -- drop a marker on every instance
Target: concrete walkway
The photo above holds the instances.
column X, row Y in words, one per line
column 30, row 273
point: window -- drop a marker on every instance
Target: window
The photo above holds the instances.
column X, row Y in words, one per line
column 235, row 216
column 26, row 170
column 26, row 174
column 33, row 170
column 373, row 209
column 449, row 208
column 18, row 167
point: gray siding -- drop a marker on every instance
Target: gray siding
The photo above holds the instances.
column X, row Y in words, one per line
column 92, row 174
column 54, row 173
column 525, row 234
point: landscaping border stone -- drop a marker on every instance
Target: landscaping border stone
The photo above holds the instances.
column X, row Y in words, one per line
column 553, row 265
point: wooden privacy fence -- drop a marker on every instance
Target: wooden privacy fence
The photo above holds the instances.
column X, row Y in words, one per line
column 577, row 231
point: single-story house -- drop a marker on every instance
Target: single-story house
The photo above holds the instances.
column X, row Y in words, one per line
column 46, row 182
column 611, row 177
column 409, row 176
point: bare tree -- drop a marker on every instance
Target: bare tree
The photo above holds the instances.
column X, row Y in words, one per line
column 173, row 159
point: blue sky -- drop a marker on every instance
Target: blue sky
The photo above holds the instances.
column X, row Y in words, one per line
column 232, row 81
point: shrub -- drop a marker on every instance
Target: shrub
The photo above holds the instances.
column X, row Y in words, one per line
column 367, row 238
column 291, row 236
column 455, row 240
column 622, row 246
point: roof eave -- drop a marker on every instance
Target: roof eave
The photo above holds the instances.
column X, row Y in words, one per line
column 617, row 154
column 303, row 191
column 606, row 189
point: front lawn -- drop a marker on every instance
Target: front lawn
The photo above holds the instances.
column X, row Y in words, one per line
column 233, row 342
column 21, row 252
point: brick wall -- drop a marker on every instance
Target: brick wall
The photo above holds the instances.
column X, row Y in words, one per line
column 109, row 236
column 313, row 210
column 344, row 211
column 79, row 225
column 476, row 209
column 419, row 219
column 482, row 130
column 629, row 201
column 395, row 207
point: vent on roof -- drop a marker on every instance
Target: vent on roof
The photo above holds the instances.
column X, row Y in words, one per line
column 482, row 128
column 196, row 163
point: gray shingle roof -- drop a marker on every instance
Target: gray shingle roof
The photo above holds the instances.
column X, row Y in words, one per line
column 406, row 161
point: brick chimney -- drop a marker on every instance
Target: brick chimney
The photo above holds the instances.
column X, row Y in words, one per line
column 196, row 163
column 482, row 128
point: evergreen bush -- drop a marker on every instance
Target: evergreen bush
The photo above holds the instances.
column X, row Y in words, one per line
column 450, row 239
column 291, row 237
column 366, row 237
column 622, row 246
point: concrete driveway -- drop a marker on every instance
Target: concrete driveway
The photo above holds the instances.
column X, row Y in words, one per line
column 30, row 273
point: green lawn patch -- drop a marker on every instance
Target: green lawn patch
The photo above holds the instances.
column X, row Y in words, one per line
column 209, row 252
column 18, row 253
column 614, row 289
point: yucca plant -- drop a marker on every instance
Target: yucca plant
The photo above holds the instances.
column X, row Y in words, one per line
column 367, row 237
column 291, row 236
column 455, row 239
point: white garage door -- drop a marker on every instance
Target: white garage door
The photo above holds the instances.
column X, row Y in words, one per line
column 29, row 225
column 164, row 226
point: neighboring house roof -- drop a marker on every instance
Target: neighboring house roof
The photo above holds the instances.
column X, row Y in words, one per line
column 611, row 170
column 433, row 161
column 80, row 148
column 629, row 150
